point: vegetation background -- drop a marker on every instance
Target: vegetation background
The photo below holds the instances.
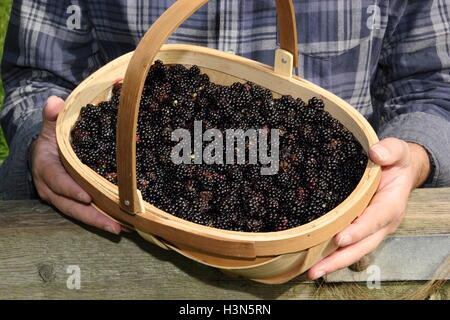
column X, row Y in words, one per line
column 5, row 7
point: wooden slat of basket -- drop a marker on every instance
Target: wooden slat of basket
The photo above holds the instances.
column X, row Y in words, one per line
column 287, row 28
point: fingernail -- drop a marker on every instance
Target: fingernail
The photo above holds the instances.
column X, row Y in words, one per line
column 344, row 240
column 381, row 152
column 318, row 274
column 83, row 197
column 111, row 229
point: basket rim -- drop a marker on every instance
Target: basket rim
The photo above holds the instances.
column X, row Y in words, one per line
column 366, row 184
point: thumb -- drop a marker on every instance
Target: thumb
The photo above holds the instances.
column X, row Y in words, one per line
column 52, row 108
column 49, row 115
column 390, row 151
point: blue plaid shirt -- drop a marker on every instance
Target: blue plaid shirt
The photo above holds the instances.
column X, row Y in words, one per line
column 388, row 58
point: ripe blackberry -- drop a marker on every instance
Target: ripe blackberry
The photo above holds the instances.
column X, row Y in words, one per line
column 316, row 103
column 254, row 225
column 284, row 180
column 320, row 161
column 282, row 223
column 263, row 184
column 225, row 221
column 235, row 173
column 288, row 197
column 272, row 205
column 255, row 202
column 194, row 71
column 252, row 173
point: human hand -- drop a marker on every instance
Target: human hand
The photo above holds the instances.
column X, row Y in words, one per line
column 405, row 166
column 53, row 183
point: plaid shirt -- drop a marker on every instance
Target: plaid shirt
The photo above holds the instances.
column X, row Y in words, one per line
column 389, row 59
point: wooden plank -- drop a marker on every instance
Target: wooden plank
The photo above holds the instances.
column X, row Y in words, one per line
column 129, row 268
column 30, row 214
column 38, row 245
column 428, row 212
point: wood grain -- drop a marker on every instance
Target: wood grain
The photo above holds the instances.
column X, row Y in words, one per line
column 38, row 244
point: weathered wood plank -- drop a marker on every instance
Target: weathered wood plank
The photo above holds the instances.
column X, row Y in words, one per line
column 128, row 267
column 428, row 212
column 38, row 245
column 30, row 214
column 111, row 267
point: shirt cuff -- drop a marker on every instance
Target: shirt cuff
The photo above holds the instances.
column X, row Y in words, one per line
column 15, row 174
column 431, row 132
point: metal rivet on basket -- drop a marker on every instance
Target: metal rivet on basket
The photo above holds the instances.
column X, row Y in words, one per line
column 127, row 203
column 284, row 60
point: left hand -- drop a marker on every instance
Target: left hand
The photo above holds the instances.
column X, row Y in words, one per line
column 405, row 166
column 53, row 184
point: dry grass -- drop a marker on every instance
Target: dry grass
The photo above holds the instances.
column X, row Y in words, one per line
column 411, row 290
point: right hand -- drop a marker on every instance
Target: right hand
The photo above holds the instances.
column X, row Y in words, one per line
column 53, row 183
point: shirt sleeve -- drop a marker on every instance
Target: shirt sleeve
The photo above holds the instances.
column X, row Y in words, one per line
column 49, row 48
column 412, row 87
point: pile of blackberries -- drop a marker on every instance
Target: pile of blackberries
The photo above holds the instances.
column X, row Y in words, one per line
column 320, row 162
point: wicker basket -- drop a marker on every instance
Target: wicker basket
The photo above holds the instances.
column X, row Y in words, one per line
column 270, row 257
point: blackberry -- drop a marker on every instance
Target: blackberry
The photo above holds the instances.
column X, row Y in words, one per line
column 316, row 103
column 284, row 180
column 282, row 223
column 235, row 173
column 288, row 197
column 321, row 162
column 255, row 202
column 194, row 71
column 252, row 173
column 254, row 225
column 272, row 205
column 263, row 184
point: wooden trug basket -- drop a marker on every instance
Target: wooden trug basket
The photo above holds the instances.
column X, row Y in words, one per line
column 270, row 257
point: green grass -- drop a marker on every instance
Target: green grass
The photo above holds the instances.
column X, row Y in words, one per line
column 5, row 7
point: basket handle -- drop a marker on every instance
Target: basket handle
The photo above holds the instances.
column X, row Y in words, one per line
column 129, row 196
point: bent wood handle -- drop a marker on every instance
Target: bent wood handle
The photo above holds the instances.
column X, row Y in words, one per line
column 156, row 36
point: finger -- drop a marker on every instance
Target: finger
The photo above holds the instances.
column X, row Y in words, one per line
column 344, row 257
column 387, row 206
column 390, row 151
column 50, row 113
column 84, row 213
column 54, row 174
column 59, row 181
column 52, row 108
column 42, row 190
